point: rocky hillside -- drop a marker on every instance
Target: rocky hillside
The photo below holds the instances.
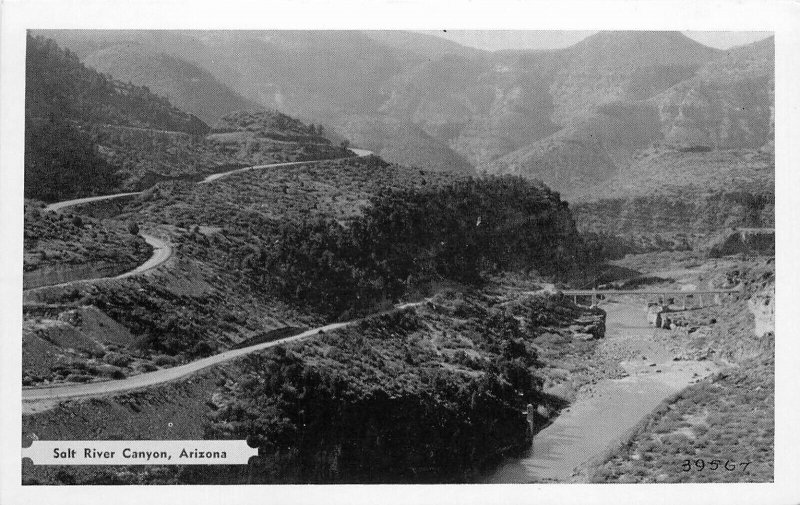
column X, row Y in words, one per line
column 666, row 192
column 430, row 394
column 186, row 85
column 63, row 247
column 729, row 103
column 87, row 133
column 60, row 85
column 333, row 240
column 611, row 66
column 711, row 102
column 586, row 152
column 405, row 142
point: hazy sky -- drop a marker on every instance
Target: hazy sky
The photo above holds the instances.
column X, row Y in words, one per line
column 517, row 39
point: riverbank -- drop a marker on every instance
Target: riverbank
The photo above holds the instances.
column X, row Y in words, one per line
column 604, row 411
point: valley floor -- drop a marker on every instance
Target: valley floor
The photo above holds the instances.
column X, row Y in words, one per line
column 653, row 399
column 605, row 410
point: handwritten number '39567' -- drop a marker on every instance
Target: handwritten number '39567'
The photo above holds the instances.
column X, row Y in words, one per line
column 714, row 464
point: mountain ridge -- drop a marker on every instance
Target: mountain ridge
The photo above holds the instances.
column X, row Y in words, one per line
column 186, row 85
column 493, row 109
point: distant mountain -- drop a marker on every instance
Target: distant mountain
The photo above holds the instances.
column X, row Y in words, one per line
column 59, row 85
column 729, row 103
column 585, row 152
column 87, row 133
column 726, row 103
column 429, row 46
column 393, row 139
column 505, row 111
column 612, row 66
column 186, row 85
column 64, row 99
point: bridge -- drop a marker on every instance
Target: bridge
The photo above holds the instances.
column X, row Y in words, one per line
column 662, row 296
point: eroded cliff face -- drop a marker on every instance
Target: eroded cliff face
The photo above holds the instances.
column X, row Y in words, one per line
column 696, row 114
column 664, row 214
column 668, row 192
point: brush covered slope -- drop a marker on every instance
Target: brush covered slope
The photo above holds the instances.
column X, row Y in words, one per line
column 669, row 199
column 401, row 142
column 431, row 394
column 188, row 86
column 64, row 247
column 87, row 133
column 720, row 429
column 59, row 85
column 340, row 238
column 145, row 157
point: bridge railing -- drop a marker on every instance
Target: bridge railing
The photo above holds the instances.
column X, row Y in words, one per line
column 663, row 297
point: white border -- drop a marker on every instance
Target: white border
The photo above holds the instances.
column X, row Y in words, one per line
column 779, row 16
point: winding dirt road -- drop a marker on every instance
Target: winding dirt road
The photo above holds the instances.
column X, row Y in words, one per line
column 216, row 177
column 211, row 178
column 162, row 251
column 80, row 201
column 40, row 398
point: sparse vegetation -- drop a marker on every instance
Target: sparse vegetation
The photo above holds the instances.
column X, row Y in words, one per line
column 728, row 419
column 55, row 240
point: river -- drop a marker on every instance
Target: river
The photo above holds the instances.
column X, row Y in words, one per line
column 605, row 413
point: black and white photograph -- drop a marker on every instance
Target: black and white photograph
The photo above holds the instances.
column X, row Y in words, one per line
column 255, row 257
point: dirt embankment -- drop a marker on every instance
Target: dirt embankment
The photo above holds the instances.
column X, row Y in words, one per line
column 52, row 275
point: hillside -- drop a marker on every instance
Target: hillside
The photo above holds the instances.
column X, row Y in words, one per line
column 89, row 134
column 611, row 66
column 585, row 153
column 186, row 85
column 293, row 246
column 727, row 104
column 425, row 45
column 425, row 395
column 401, row 142
column 665, row 193
column 62, row 97
column 63, row 247
column 60, row 85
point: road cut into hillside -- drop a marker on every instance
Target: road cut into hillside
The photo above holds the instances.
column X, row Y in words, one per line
column 162, row 251
column 36, row 399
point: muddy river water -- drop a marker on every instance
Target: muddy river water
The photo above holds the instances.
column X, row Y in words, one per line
column 603, row 414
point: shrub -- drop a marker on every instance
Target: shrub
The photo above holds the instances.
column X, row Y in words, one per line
column 146, row 366
column 117, row 359
column 164, row 360
column 77, row 377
